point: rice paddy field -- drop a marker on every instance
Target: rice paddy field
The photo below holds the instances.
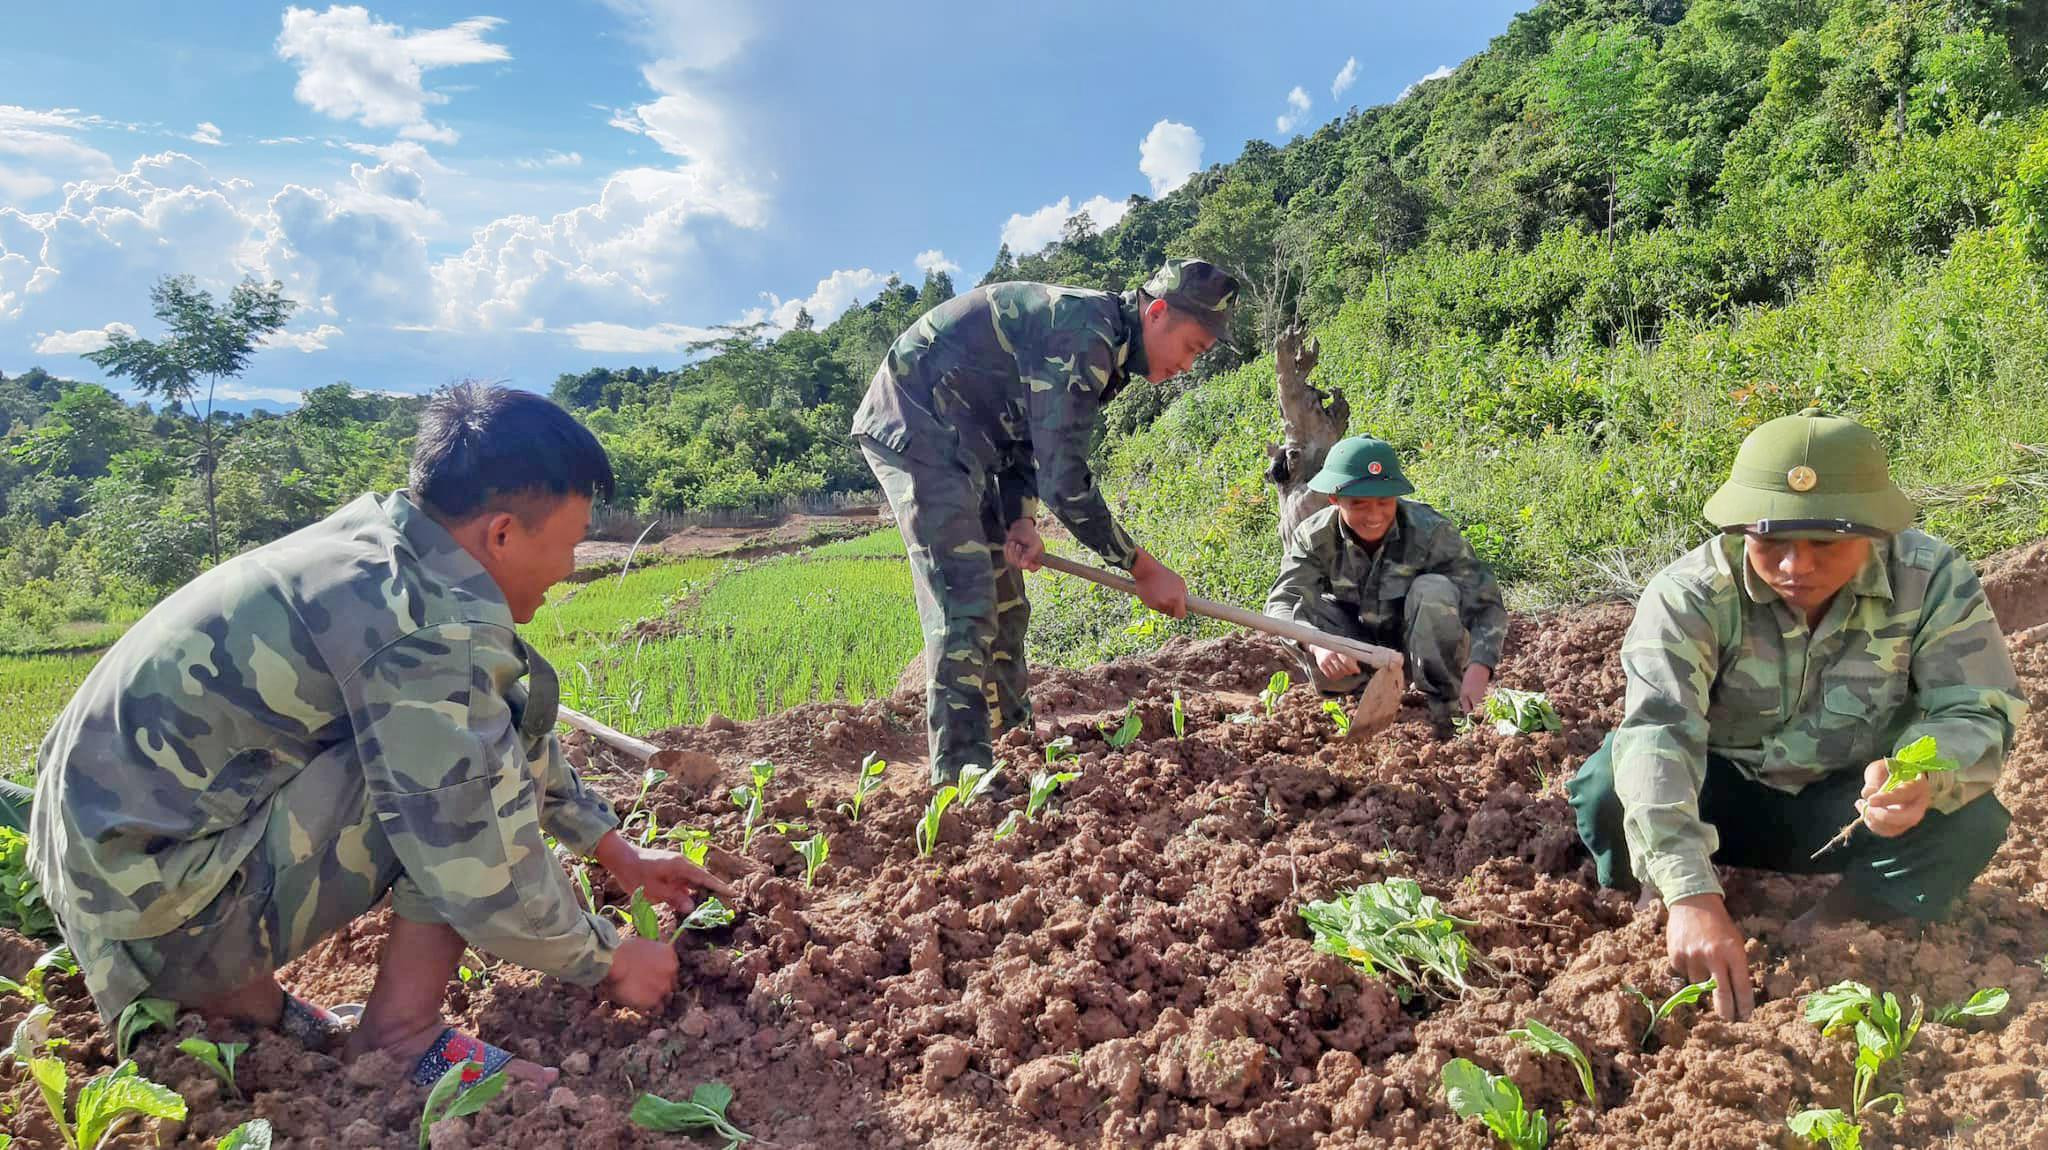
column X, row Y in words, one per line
column 33, row 688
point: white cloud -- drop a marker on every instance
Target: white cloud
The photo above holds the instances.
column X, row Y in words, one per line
column 272, row 141
column 206, row 133
column 1028, row 233
column 306, row 341
column 1168, row 155
column 355, row 67
column 935, row 261
column 39, row 151
column 668, row 338
column 79, row 342
column 1441, row 71
column 827, row 302
column 552, row 159
column 1297, row 107
column 1346, row 76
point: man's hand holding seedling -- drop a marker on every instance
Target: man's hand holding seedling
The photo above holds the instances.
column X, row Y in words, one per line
column 1891, row 813
column 1704, row 942
column 643, row 970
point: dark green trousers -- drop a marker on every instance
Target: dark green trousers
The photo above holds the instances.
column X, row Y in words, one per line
column 1919, row 874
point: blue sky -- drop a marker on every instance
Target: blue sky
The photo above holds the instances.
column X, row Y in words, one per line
column 514, row 190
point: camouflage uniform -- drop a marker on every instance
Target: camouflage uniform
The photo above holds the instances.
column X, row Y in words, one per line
column 980, row 410
column 1746, row 729
column 291, row 735
column 1421, row 591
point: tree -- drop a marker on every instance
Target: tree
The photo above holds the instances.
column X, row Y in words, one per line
column 207, row 341
column 1005, row 268
column 937, row 289
column 1593, row 83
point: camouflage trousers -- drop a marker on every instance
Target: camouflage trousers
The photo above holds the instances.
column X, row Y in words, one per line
column 322, row 862
column 970, row 602
column 1919, row 874
column 1431, row 634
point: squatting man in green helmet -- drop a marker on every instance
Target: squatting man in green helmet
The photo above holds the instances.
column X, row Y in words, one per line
column 1394, row 572
column 980, row 410
column 1771, row 672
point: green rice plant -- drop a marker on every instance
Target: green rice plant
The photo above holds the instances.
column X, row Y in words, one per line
column 33, row 690
column 886, row 543
column 1543, row 1040
column 1496, row 1101
column 868, row 781
column 1394, row 930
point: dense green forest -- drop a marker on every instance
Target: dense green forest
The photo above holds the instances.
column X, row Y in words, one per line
column 1564, row 280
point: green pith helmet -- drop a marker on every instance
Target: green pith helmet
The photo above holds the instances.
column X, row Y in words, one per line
column 1197, row 287
column 1812, row 476
column 1361, row 466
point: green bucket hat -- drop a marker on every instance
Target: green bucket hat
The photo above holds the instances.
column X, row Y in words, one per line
column 1811, row 475
column 1361, row 466
column 1197, row 287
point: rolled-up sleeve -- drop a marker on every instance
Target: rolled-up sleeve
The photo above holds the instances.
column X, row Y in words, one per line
column 462, row 799
column 1669, row 658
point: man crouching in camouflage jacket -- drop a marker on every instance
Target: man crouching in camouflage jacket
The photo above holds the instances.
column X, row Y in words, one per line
column 343, row 713
column 1771, row 673
column 985, row 406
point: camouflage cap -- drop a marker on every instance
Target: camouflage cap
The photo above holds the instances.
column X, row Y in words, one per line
column 1810, row 475
column 1198, row 288
column 1361, row 466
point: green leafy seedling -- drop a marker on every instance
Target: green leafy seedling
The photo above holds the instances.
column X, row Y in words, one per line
column 867, row 783
column 1525, row 712
column 703, row 1111
column 692, row 843
column 56, row 960
column 21, row 897
column 709, row 915
column 751, row 798
column 251, row 1135
column 1830, row 1128
column 1063, row 748
column 219, row 1057
column 1180, row 718
column 1275, row 687
column 449, row 1100
column 106, row 1104
column 927, row 834
column 815, row 850
column 1543, row 1040
column 1987, row 1003
column 1496, row 1101
column 1127, row 733
column 1882, row 1030
column 1393, row 929
column 30, row 1036
column 1339, row 717
column 1911, row 763
column 1009, row 825
column 141, row 1015
column 1686, row 996
column 975, row 782
column 1043, row 785
column 639, row 914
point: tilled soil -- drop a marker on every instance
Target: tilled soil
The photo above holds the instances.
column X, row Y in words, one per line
column 1131, row 969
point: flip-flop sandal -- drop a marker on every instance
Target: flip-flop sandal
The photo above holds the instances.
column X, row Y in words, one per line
column 313, row 1027
column 479, row 1059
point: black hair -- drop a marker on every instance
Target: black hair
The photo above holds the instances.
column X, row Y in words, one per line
column 481, row 446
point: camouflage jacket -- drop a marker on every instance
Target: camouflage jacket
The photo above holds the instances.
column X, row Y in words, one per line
column 1007, row 380
column 370, row 633
column 1325, row 559
column 1717, row 663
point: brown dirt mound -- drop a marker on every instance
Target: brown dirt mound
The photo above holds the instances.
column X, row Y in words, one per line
column 1131, row 970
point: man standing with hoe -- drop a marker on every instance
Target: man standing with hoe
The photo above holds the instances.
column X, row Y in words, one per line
column 980, row 410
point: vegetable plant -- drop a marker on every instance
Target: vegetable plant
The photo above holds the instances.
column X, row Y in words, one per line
column 1393, row 929
column 927, row 835
column 251, row 1135
column 1882, row 1029
column 55, row 960
column 709, row 915
column 639, row 914
column 704, row 1110
column 1543, row 1040
column 1686, row 996
column 1830, row 1128
column 975, row 782
column 1043, row 784
column 106, row 1105
column 1987, row 1003
column 219, row 1057
column 649, row 779
column 1127, row 733
column 1180, row 718
column 21, row 899
column 142, row 1014
column 1515, row 711
column 750, row 798
column 1497, row 1101
column 814, row 851
column 1912, row 762
column 690, row 842
column 1338, row 716
column 1009, row 825
column 1275, row 687
column 870, row 780
column 449, row 1100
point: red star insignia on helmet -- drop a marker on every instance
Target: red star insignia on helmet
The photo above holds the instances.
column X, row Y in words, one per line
column 1373, row 468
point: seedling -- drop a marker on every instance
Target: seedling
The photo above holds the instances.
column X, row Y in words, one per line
column 1063, row 748
column 1393, row 929
column 1043, row 785
column 649, row 779
column 1987, row 1003
column 1830, row 1128
column 927, row 835
column 709, row 915
column 814, row 850
column 751, row 799
column 1496, row 1101
column 692, row 843
column 56, row 960
column 448, row 1099
column 1009, row 825
column 703, row 1111
column 1335, row 710
column 474, row 968
column 219, row 1057
column 106, row 1104
column 1180, row 718
column 870, row 780
column 1882, row 1034
column 1526, row 712
column 21, row 898
column 975, row 782
column 1686, row 996
column 251, row 1135
column 1916, row 760
column 142, row 1014
column 1544, row 1040
column 31, row 1035
column 1275, row 687
column 639, row 914
column 1127, row 733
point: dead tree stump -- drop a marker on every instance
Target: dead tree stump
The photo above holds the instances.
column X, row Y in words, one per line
column 1315, row 420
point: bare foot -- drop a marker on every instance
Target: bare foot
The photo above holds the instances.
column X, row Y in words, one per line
column 407, row 1047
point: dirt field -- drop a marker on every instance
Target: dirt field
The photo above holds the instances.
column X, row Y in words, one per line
column 1131, row 970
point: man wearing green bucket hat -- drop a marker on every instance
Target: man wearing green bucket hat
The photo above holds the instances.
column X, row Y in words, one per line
column 1393, row 572
column 1772, row 672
